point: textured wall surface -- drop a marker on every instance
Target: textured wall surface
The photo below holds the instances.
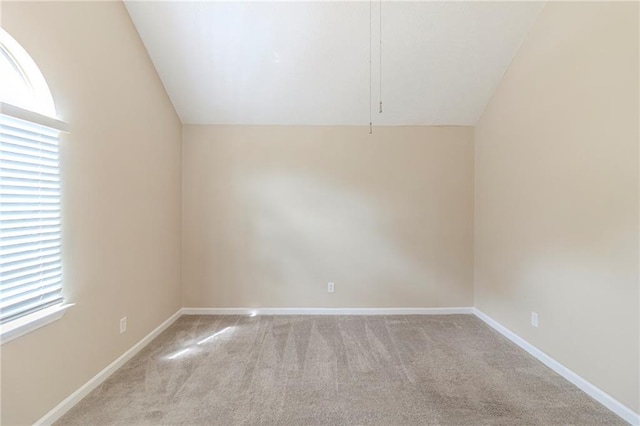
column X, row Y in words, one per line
column 121, row 199
column 272, row 214
column 556, row 193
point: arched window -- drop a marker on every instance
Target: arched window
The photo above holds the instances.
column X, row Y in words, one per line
column 30, row 204
column 23, row 84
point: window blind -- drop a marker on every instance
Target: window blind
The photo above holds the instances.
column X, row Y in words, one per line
column 30, row 227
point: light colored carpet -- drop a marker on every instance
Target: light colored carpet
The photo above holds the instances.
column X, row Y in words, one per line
column 335, row 370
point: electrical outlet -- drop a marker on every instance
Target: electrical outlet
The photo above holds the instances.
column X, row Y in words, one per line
column 330, row 288
column 123, row 324
column 534, row 319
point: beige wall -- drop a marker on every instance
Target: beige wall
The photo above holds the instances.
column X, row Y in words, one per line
column 121, row 184
column 272, row 214
column 556, row 194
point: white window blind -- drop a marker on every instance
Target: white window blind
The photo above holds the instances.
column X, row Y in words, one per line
column 30, row 228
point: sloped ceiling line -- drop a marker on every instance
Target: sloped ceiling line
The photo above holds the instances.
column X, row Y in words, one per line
column 305, row 63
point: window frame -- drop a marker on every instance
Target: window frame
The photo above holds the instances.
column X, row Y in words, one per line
column 38, row 109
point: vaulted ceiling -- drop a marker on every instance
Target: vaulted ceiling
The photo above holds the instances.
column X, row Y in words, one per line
column 303, row 63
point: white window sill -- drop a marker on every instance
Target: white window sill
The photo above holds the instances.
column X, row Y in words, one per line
column 27, row 324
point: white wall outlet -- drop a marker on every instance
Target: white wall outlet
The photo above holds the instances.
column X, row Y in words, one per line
column 534, row 319
column 123, row 324
column 330, row 287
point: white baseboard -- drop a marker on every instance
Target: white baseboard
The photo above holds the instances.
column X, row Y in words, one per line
column 596, row 393
column 326, row 311
column 60, row 409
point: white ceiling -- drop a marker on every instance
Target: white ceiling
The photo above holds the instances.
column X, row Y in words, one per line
column 302, row 63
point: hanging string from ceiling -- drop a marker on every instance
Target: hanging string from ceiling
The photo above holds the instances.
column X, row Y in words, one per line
column 371, row 61
column 380, row 111
column 370, row 66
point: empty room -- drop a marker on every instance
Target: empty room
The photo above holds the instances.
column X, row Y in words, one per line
column 319, row 213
